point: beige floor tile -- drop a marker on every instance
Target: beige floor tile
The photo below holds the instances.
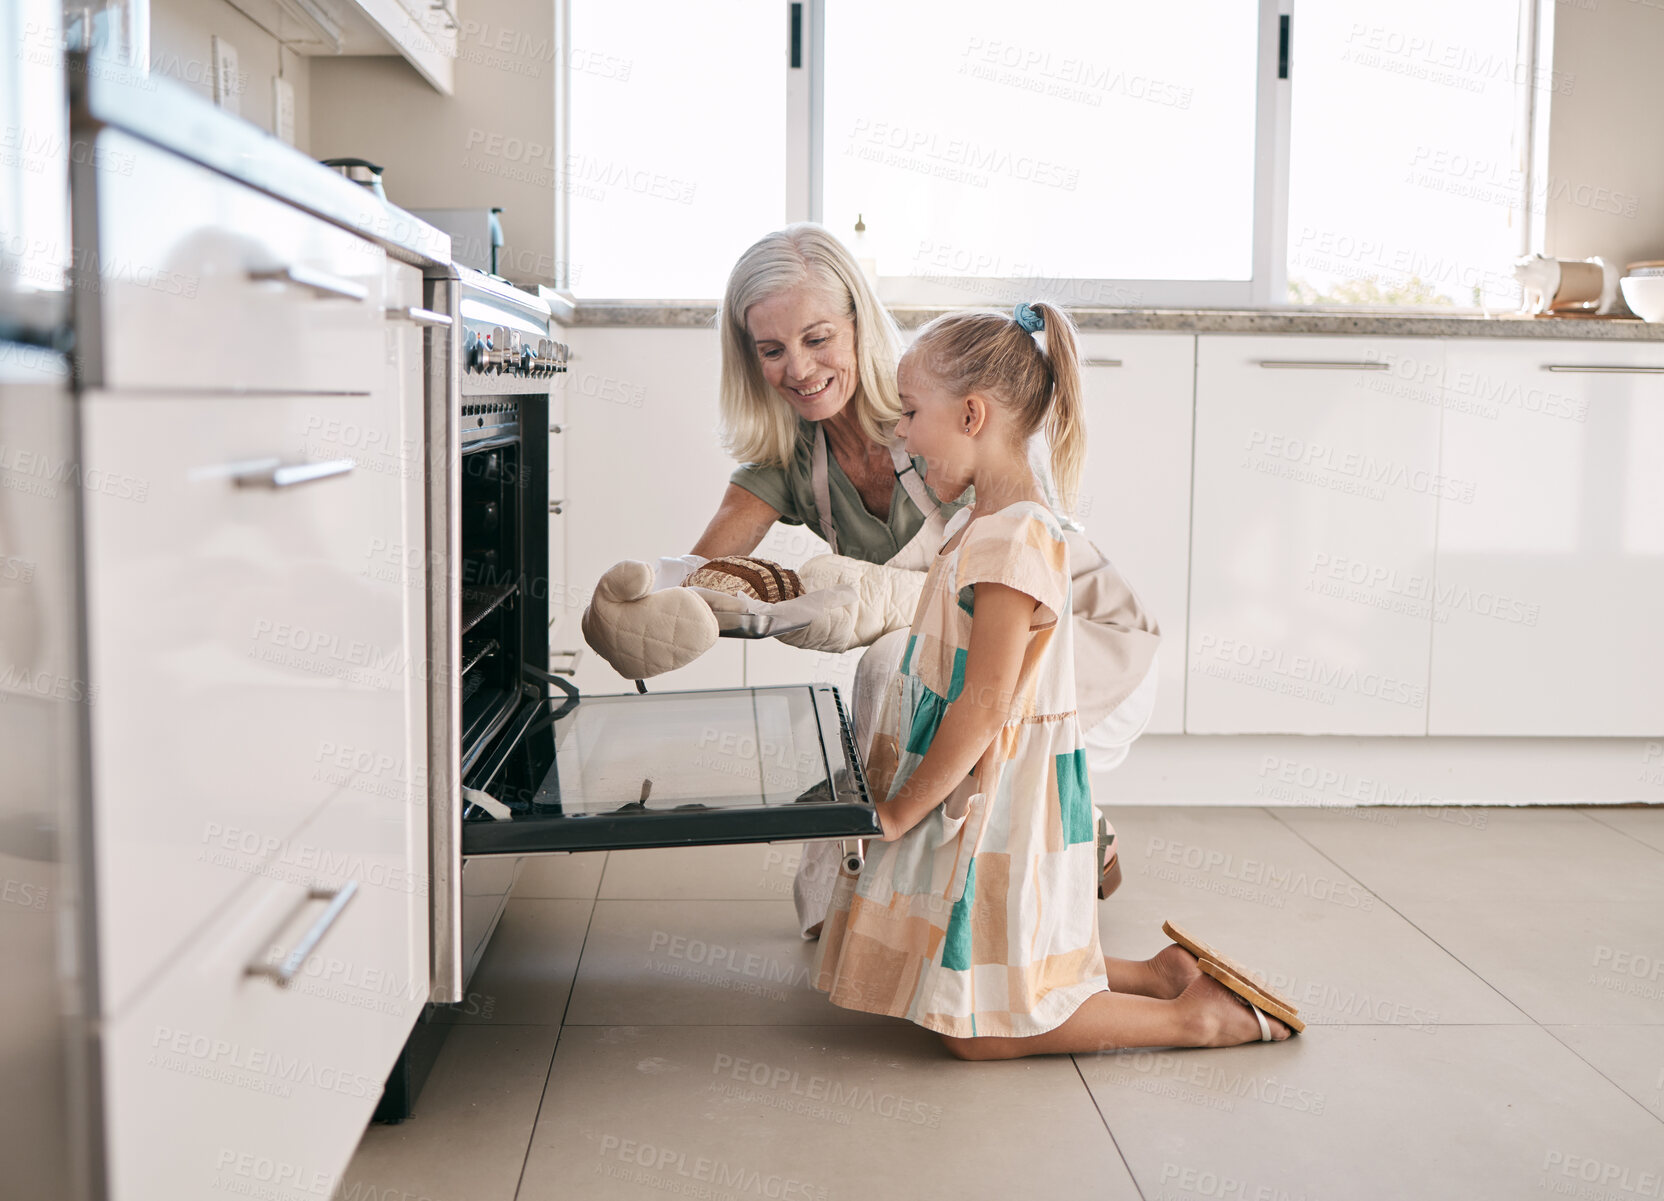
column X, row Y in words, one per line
column 813, row 1114
column 1632, row 1057
column 473, row 1122
column 525, row 975
column 1645, row 825
column 1491, row 1113
column 561, row 877
column 749, row 872
column 1308, row 929
column 1561, row 962
column 1478, row 854
column 686, row 963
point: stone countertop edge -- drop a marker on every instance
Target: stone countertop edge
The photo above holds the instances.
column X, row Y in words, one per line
column 702, row 315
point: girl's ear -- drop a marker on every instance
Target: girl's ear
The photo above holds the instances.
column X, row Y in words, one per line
column 974, row 410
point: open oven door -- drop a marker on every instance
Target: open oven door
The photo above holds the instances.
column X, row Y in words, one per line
column 660, row 769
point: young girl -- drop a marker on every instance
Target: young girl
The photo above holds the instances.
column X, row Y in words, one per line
column 977, row 916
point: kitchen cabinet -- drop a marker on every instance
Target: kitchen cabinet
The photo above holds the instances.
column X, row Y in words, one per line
column 642, row 405
column 252, row 526
column 1135, row 486
column 1317, row 481
column 1550, row 560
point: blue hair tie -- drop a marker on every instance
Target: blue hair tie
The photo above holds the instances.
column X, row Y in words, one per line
column 1026, row 316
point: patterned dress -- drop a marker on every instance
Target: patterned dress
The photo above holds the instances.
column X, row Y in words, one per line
column 986, row 924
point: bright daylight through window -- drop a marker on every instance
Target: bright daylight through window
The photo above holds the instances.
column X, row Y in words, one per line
column 1097, row 153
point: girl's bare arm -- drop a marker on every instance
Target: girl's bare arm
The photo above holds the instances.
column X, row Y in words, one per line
column 999, row 634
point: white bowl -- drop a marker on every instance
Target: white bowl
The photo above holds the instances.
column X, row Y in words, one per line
column 1644, row 294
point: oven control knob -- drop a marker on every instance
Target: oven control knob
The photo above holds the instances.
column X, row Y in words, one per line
column 501, row 345
column 474, row 354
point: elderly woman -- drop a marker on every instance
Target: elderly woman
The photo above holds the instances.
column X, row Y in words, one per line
column 809, row 400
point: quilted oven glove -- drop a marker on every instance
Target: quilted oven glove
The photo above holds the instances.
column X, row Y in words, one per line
column 885, row 600
column 643, row 632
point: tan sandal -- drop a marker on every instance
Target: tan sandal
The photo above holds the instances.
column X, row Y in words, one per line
column 1109, row 856
column 1237, row 978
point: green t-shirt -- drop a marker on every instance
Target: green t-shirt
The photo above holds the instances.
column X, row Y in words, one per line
column 791, row 490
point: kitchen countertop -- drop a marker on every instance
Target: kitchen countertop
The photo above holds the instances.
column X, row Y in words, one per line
column 170, row 116
column 702, row 315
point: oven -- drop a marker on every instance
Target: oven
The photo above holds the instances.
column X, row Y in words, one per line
column 519, row 763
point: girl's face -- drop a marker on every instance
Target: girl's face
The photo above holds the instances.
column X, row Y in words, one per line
column 806, row 347
column 933, row 426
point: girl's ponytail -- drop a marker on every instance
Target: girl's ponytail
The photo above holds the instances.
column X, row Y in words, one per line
column 1065, row 422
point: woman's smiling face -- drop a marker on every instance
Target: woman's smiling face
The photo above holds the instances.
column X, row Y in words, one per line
column 805, row 344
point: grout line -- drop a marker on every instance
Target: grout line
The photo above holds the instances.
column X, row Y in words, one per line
column 1625, row 833
column 1390, row 907
column 1597, row 1070
column 560, row 1029
column 1074, row 1061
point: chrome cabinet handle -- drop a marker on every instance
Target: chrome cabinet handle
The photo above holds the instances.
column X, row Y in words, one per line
column 270, row 473
column 417, row 316
column 1100, row 362
column 286, row 971
column 1324, row 365
column 555, row 428
column 317, row 282
column 1604, row 368
column 555, row 506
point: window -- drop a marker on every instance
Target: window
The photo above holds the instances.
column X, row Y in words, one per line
column 1406, row 161
column 675, row 159
column 1053, row 146
column 1092, row 152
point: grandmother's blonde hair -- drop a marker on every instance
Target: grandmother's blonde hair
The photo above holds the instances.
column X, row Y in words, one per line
column 757, row 425
column 992, row 354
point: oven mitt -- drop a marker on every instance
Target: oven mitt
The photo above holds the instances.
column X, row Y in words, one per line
column 639, row 621
column 885, row 599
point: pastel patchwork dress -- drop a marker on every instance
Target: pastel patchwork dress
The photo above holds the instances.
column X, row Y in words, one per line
column 986, row 924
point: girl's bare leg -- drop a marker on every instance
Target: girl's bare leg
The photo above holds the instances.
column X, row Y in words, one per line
column 1205, row 1014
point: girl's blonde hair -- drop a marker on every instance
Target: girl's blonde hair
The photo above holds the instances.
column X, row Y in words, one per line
column 992, row 354
column 757, row 425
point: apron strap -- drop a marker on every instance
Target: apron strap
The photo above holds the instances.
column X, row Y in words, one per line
column 823, row 490
column 905, row 473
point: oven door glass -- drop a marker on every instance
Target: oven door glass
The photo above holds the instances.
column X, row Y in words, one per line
column 672, row 769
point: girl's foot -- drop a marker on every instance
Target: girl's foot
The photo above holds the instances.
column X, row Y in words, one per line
column 1175, row 969
column 1221, row 1017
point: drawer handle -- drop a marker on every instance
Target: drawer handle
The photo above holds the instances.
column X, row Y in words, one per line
column 1604, row 368
column 316, row 282
column 417, row 316
column 269, row 473
column 287, row 970
column 1100, row 362
column 1323, row 365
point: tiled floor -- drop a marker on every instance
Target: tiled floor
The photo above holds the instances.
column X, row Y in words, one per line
column 1485, row 989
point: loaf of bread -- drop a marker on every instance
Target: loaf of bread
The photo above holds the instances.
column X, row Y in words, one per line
column 740, row 576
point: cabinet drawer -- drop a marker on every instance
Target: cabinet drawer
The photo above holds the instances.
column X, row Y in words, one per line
column 218, row 1081
column 245, row 659
column 207, row 284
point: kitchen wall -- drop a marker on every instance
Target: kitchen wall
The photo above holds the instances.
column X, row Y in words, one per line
column 181, row 33
column 489, row 144
column 1605, row 185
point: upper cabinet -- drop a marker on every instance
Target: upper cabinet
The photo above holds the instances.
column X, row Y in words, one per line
column 423, row 32
column 1135, row 487
column 1550, row 566
column 1317, row 484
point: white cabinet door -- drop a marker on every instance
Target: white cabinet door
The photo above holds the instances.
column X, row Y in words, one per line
column 565, row 606
column 218, row 1082
column 1312, row 543
column 1550, row 567
column 642, row 405
column 248, row 658
column 1135, row 488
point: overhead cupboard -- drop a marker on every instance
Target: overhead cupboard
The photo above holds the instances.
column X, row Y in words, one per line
column 1339, row 535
